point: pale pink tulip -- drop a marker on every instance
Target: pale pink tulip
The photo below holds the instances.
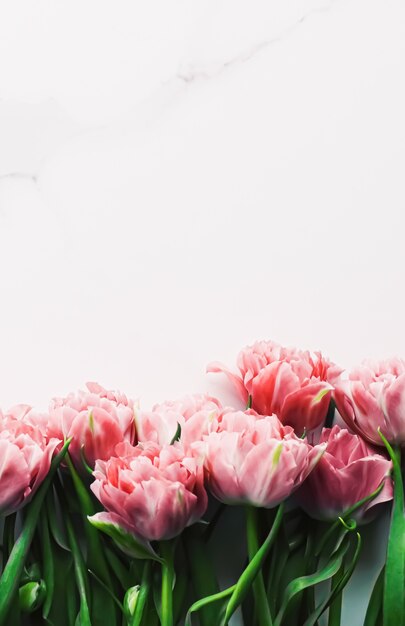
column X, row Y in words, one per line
column 150, row 491
column 348, row 471
column 96, row 419
column 256, row 460
column 195, row 414
column 25, row 456
column 294, row 385
column 374, row 398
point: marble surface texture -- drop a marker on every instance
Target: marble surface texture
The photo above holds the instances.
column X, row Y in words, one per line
column 179, row 178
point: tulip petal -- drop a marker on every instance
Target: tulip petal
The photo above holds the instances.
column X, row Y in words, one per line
column 218, row 368
column 305, row 409
column 272, row 384
column 394, row 409
column 14, row 476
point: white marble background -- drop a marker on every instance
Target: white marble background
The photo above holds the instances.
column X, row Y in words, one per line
column 178, row 178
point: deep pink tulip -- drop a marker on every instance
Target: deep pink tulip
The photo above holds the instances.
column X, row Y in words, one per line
column 256, row 460
column 374, row 397
column 97, row 420
column 348, row 471
column 151, row 491
column 25, row 456
column 195, row 414
column 294, row 385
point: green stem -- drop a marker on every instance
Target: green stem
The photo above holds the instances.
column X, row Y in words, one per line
column 143, row 594
column 311, row 564
column 393, row 605
column 8, row 535
column 221, row 595
column 259, row 590
column 48, row 564
column 335, row 609
column 80, row 572
column 249, row 574
column 329, row 533
column 11, row 575
column 202, row 572
column 166, row 551
column 375, row 603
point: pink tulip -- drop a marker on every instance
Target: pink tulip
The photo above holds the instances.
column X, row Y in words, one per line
column 294, row 385
column 97, row 420
column 25, row 456
column 373, row 398
column 348, row 472
column 256, row 460
column 195, row 414
column 150, row 491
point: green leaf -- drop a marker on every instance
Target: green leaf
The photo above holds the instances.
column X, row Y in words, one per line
column 120, row 571
column 83, row 459
column 303, row 582
column 349, row 571
column 330, row 416
column 221, row 595
column 393, row 605
column 81, row 576
column 253, row 568
column 346, row 517
column 103, row 609
column 136, row 548
column 71, row 592
column 107, row 589
column 64, row 592
column 202, row 572
column 375, row 603
column 335, row 607
column 339, row 582
column 10, row 578
column 48, row 565
column 278, row 560
column 142, row 596
column 54, row 514
column 262, row 608
column 177, row 434
column 296, row 566
column 8, row 534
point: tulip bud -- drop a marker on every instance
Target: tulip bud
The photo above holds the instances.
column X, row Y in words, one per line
column 130, row 601
column 31, row 596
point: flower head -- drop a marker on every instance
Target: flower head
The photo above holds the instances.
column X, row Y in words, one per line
column 293, row 384
column 194, row 415
column 150, row 491
column 373, row 398
column 25, row 456
column 256, row 460
column 348, row 471
column 96, row 419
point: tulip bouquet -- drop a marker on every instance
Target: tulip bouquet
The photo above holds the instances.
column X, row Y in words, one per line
column 111, row 515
